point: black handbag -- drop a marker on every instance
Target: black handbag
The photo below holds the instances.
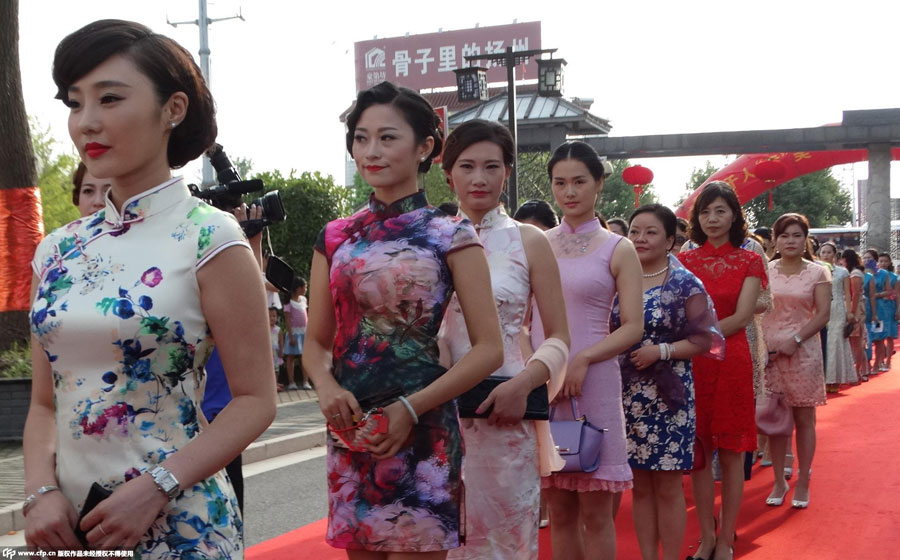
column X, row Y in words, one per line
column 537, row 407
column 848, row 330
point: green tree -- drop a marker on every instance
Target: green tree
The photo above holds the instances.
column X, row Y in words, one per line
column 311, row 200
column 617, row 199
column 698, row 176
column 434, row 182
column 54, row 172
column 817, row 195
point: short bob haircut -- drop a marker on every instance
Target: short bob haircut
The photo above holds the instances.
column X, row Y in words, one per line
column 582, row 152
column 77, row 179
column 473, row 132
column 664, row 214
column 712, row 191
column 166, row 63
column 419, row 115
column 539, row 211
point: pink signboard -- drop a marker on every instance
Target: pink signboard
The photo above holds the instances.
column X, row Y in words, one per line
column 428, row 61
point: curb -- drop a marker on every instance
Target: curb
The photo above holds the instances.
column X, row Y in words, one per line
column 282, row 445
column 11, row 518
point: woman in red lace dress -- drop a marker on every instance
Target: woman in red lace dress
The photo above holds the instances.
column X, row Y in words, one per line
column 724, row 389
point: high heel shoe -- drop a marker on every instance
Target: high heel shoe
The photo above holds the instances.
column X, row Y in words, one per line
column 800, row 504
column 788, row 472
column 777, row 500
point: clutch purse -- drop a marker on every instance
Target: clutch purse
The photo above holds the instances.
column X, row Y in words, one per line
column 578, row 441
column 537, row 407
column 848, row 330
column 95, row 495
column 774, row 416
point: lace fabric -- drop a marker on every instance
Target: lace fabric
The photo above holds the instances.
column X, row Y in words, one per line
column 724, row 390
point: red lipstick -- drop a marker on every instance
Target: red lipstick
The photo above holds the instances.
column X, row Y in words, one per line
column 95, row 150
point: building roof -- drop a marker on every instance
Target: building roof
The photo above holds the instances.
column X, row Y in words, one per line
column 533, row 110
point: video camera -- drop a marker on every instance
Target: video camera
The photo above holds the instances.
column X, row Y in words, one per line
column 227, row 194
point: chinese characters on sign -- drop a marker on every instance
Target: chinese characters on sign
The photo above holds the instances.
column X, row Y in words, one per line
column 428, row 61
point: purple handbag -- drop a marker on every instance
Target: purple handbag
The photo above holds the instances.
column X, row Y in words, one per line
column 578, row 441
column 774, row 416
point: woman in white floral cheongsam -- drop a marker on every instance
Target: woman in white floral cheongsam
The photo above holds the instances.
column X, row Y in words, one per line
column 126, row 304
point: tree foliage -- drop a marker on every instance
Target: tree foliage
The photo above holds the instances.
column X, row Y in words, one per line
column 311, row 200
column 617, row 199
column 817, row 195
column 698, row 176
column 54, row 172
column 434, row 182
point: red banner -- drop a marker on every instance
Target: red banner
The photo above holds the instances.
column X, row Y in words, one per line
column 740, row 173
column 21, row 229
column 427, row 61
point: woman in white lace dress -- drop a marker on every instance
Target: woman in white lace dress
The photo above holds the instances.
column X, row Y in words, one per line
column 505, row 455
column 839, row 367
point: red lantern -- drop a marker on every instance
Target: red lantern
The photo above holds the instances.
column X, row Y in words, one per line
column 769, row 170
column 638, row 177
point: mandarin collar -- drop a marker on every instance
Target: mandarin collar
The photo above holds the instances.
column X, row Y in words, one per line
column 586, row 227
column 148, row 203
column 402, row 206
column 720, row 251
column 495, row 219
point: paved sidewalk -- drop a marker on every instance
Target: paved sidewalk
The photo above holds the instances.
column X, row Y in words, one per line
column 298, row 425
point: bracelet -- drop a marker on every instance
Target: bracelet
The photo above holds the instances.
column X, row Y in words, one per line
column 412, row 411
column 39, row 492
column 662, row 351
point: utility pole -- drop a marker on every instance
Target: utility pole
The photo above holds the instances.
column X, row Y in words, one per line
column 203, row 23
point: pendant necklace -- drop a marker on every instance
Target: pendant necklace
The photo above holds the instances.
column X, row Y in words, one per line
column 655, row 274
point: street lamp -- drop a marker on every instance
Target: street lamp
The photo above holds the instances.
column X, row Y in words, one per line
column 550, row 76
column 511, row 59
column 471, row 83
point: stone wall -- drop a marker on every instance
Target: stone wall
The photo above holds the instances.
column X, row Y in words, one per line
column 15, row 395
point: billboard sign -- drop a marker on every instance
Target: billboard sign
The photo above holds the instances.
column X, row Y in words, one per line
column 428, row 61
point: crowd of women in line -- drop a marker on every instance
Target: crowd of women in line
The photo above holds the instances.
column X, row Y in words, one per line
column 409, row 308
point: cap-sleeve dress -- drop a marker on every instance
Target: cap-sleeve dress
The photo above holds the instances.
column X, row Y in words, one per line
column 118, row 313
column 390, row 285
column 503, row 483
column 801, row 376
column 661, row 430
column 726, row 415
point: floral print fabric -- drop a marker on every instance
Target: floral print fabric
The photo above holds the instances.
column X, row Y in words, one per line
column 660, row 436
column 117, row 311
column 390, row 284
column 503, row 483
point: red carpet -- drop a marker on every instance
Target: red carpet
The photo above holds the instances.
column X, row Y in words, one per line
column 854, row 508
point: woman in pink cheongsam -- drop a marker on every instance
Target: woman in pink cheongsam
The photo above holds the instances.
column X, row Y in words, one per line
column 801, row 291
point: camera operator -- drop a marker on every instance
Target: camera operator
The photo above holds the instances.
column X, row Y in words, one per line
column 217, row 393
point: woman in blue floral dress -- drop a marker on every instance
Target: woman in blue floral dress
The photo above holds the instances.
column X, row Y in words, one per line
column 126, row 304
column 380, row 283
column 657, row 384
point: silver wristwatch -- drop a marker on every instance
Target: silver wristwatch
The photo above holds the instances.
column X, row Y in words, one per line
column 166, row 482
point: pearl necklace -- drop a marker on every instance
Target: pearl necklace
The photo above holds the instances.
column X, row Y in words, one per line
column 655, row 274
